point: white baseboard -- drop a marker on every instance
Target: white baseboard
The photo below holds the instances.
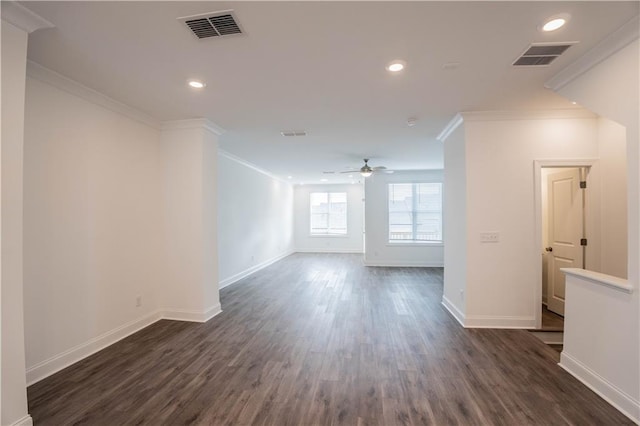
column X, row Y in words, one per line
column 403, row 263
column 240, row 275
column 25, row 421
column 54, row 364
column 191, row 315
column 626, row 404
column 453, row 310
column 330, row 250
column 487, row 321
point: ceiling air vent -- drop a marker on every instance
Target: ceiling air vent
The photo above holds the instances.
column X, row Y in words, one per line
column 213, row 24
column 542, row 54
column 290, row 133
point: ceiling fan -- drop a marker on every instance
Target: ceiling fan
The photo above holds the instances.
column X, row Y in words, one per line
column 367, row 170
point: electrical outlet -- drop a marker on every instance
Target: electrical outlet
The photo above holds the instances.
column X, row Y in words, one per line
column 138, row 301
column 489, row 237
column 461, row 294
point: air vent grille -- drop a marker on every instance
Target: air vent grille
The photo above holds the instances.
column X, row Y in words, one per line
column 539, row 54
column 213, row 24
column 290, row 133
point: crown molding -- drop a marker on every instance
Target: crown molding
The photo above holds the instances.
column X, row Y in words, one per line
column 617, row 40
column 450, row 127
column 250, row 165
column 23, row 18
column 72, row 87
column 571, row 113
column 193, row 123
column 461, row 117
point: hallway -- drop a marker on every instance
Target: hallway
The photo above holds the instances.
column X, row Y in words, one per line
column 322, row 339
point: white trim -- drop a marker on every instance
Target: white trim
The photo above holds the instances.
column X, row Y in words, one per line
column 25, row 421
column 625, row 403
column 488, row 321
column 23, row 18
column 251, row 166
column 537, row 229
column 329, row 250
column 617, row 40
column 450, row 127
column 453, row 310
column 243, row 274
column 193, row 123
column 212, row 312
column 56, row 363
column 415, row 243
column 189, row 315
column 404, row 263
column 554, row 114
column 45, row 75
column 610, row 281
column 46, row 368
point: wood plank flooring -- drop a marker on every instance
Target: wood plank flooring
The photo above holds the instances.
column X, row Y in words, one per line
column 321, row 339
column 551, row 321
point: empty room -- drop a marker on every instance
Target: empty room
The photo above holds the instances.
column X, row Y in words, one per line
column 320, row 212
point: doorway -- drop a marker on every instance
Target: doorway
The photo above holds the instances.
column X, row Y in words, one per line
column 561, row 205
column 563, row 230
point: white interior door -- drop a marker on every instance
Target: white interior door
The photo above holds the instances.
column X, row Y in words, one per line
column 565, row 218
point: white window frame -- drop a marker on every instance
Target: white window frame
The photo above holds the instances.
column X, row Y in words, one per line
column 414, row 212
column 329, row 231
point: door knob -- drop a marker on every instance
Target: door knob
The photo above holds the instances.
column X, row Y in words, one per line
column 549, row 249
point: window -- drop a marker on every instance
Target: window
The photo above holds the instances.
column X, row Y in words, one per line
column 328, row 213
column 415, row 212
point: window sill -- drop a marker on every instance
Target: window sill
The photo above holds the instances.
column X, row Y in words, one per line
column 415, row 244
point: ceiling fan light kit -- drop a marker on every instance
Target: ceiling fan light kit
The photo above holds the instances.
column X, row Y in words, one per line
column 367, row 170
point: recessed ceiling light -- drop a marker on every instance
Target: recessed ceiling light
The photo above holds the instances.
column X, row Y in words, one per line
column 351, row 176
column 289, row 177
column 196, row 84
column 324, row 180
column 555, row 22
column 396, row 66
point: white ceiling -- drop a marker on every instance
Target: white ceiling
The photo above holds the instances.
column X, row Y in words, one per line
column 320, row 67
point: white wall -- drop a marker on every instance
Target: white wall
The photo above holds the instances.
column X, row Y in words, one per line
column 255, row 219
column 189, row 209
column 455, row 223
column 13, row 401
column 611, row 88
column 612, row 151
column 350, row 243
column 503, row 277
column 378, row 250
column 598, row 341
column 92, row 223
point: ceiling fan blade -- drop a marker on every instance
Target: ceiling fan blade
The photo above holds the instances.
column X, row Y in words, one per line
column 378, row 168
column 351, row 171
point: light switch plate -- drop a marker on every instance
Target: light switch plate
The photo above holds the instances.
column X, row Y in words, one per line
column 489, row 237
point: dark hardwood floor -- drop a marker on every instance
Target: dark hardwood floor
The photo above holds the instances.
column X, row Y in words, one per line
column 321, row 339
column 551, row 321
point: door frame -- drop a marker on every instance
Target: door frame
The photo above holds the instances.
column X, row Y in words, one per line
column 590, row 163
